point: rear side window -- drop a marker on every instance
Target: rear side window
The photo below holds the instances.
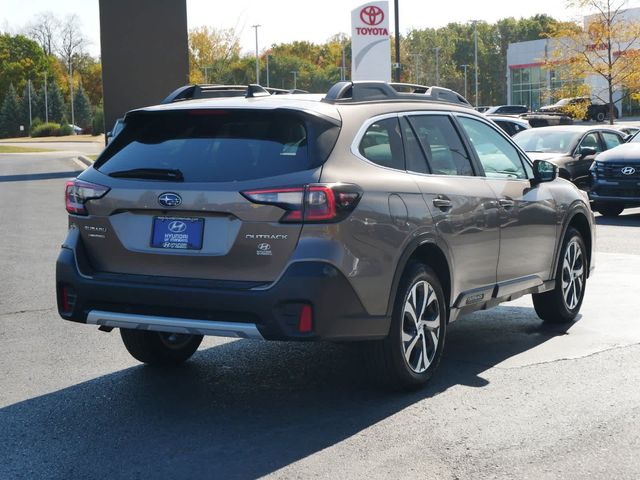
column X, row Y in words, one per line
column 611, row 139
column 382, row 144
column 442, row 145
column 219, row 145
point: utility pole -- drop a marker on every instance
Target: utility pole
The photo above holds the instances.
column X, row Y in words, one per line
column 396, row 65
column 29, row 90
column 437, row 49
column 465, row 79
column 257, row 58
column 475, row 54
column 416, row 58
column 295, row 79
column 73, row 118
column 343, row 67
column 46, row 101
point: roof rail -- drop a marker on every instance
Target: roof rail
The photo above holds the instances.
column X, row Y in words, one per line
column 190, row 92
column 359, row 92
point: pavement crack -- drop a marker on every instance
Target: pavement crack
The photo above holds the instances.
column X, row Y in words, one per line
column 18, row 312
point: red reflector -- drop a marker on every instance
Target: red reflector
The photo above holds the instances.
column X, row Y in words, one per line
column 305, row 322
column 66, row 306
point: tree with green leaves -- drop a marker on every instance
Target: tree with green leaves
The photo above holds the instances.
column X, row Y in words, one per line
column 10, row 114
column 20, row 59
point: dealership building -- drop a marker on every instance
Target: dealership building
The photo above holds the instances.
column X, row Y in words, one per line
column 529, row 81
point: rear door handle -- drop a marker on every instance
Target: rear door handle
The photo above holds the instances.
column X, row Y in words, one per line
column 506, row 203
column 442, row 203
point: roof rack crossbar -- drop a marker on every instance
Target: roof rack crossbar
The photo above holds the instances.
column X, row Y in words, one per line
column 356, row 92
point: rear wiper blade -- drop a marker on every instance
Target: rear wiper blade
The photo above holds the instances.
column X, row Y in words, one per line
column 168, row 174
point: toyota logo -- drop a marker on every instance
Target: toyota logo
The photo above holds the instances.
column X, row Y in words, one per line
column 372, row 15
column 177, row 226
column 169, row 199
column 628, row 170
column 264, row 247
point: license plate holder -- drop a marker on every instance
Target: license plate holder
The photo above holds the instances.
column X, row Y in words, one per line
column 177, row 233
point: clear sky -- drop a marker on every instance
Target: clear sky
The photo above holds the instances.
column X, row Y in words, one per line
column 287, row 20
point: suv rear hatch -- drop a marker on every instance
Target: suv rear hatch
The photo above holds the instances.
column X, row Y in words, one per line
column 201, row 193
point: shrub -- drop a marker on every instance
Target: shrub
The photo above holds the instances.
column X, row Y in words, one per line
column 46, row 130
column 65, row 129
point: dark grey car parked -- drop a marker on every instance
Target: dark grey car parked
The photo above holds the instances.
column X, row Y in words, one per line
column 572, row 148
column 365, row 214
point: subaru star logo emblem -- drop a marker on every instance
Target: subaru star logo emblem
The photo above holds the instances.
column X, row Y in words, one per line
column 169, row 199
column 177, row 226
column 628, row 170
column 264, row 247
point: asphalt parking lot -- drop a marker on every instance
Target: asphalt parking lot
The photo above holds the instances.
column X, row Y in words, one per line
column 512, row 398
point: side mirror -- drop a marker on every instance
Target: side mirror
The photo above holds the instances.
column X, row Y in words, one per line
column 108, row 137
column 544, row 171
column 586, row 151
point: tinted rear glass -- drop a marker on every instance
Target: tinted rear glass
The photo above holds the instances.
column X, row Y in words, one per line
column 218, row 145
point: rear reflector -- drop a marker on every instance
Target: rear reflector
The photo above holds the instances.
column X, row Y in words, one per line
column 68, row 298
column 305, row 320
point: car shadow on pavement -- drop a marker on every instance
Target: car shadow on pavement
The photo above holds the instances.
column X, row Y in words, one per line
column 28, row 177
column 238, row 410
column 629, row 220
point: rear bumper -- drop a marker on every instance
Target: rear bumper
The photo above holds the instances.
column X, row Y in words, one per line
column 106, row 299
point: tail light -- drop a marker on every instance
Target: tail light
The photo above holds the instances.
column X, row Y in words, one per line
column 78, row 192
column 315, row 203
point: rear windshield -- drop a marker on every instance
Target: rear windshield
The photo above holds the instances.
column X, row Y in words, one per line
column 220, row 145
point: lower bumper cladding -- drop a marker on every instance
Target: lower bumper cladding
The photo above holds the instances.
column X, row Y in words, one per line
column 173, row 325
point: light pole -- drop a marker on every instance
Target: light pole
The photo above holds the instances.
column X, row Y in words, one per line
column 416, row 58
column 255, row 27
column 295, row 79
column 46, row 101
column 267, row 58
column 437, row 49
column 475, row 54
column 465, row 66
column 73, row 119
column 396, row 65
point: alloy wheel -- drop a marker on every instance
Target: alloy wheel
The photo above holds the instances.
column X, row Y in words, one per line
column 573, row 269
column 420, row 326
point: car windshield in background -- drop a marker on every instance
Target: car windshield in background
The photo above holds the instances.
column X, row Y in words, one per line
column 209, row 145
column 545, row 141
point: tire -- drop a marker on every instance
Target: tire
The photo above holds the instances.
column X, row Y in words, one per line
column 158, row 348
column 398, row 361
column 562, row 304
column 610, row 210
column 600, row 116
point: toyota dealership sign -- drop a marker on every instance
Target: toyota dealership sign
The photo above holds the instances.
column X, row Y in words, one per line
column 370, row 42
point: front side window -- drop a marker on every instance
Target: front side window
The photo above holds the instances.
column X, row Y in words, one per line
column 498, row 157
column 590, row 141
column 382, row 144
column 442, row 145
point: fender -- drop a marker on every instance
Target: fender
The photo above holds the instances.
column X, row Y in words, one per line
column 576, row 207
column 411, row 247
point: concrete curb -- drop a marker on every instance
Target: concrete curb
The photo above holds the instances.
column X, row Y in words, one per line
column 87, row 161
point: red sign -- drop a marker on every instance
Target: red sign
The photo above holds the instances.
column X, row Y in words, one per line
column 372, row 15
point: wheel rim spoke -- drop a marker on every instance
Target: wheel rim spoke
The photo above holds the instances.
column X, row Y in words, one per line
column 573, row 272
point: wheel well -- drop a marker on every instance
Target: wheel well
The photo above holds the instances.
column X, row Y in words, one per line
column 580, row 223
column 431, row 255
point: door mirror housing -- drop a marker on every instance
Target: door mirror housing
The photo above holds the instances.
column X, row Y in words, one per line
column 586, row 151
column 544, row 171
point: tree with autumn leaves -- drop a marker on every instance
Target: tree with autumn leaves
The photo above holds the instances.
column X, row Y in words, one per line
column 606, row 48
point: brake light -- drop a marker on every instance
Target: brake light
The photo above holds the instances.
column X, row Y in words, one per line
column 315, row 203
column 305, row 319
column 78, row 192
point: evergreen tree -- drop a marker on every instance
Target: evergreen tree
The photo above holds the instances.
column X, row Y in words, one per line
column 82, row 108
column 24, row 106
column 10, row 114
column 57, row 108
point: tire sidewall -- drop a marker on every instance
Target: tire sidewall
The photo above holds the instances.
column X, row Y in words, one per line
column 415, row 272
